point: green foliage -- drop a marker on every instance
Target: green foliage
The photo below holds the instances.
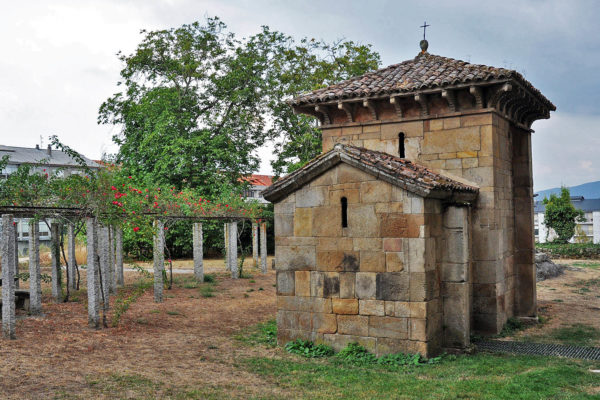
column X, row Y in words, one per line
column 126, row 298
column 306, row 348
column 512, row 326
column 264, row 333
column 570, row 250
column 210, row 278
column 207, row 290
column 576, row 334
column 354, row 353
column 561, row 215
column 24, row 277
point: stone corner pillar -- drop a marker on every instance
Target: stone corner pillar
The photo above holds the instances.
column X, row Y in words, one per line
column 8, row 277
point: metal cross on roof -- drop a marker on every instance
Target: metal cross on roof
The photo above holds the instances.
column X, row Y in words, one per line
column 424, row 26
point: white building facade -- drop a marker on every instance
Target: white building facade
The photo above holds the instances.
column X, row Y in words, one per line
column 587, row 231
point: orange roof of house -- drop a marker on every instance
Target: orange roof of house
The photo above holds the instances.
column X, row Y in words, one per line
column 258, row 180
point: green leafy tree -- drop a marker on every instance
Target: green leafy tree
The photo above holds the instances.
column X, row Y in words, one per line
column 562, row 216
column 198, row 102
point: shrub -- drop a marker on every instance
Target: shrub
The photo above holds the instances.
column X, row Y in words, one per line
column 306, row 348
column 570, row 250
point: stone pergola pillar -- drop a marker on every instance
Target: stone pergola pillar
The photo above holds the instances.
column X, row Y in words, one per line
column 16, row 264
column 72, row 271
column 255, row 243
column 112, row 273
column 119, row 255
column 8, row 277
column 93, row 277
column 232, row 249
column 103, row 252
column 226, row 244
column 263, row 247
column 56, row 268
column 198, row 251
column 159, row 260
column 35, row 284
column 542, row 229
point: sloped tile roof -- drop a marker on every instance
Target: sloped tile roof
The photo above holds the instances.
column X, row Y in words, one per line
column 258, row 180
column 425, row 71
column 411, row 176
column 28, row 155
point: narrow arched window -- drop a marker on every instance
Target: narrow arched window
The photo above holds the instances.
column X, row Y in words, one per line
column 401, row 150
column 344, row 212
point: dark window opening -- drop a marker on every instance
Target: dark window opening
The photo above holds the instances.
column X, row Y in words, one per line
column 344, row 212
column 401, row 150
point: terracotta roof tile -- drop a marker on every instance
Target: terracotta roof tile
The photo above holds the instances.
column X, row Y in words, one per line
column 258, row 180
column 426, row 71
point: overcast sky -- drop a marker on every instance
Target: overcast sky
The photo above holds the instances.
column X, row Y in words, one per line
column 58, row 60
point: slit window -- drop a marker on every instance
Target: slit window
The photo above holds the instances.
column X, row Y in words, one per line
column 401, row 150
column 344, row 212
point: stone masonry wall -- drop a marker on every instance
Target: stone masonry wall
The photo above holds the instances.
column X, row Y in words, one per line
column 477, row 146
column 376, row 282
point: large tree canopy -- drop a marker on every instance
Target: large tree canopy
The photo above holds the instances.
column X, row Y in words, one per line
column 198, row 102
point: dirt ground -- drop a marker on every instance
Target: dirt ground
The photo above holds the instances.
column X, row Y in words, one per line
column 570, row 299
column 185, row 342
column 184, row 347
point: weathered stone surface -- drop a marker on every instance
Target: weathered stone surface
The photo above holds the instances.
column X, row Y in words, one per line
column 345, row 306
column 393, row 225
column 317, row 282
column 57, row 294
column 366, row 285
column 284, row 223
column 324, row 323
column 310, row 197
column 331, row 284
column 286, row 284
column 357, row 325
column 302, row 222
column 362, row 221
column 392, row 286
column 372, row 261
column 392, row 244
column 418, row 329
column 339, row 341
column 347, row 284
column 263, row 247
column 159, row 260
column 119, row 255
column 391, row 327
column 375, row 192
column 340, row 261
column 371, row 307
column 460, row 139
column 422, row 285
column 394, row 261
column 72, row 281
column 302, row 282
column 328, row 221
column 390, row 346
column 370, row 244
column 295, row 257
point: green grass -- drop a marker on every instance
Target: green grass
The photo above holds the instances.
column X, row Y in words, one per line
column 593, row 265
column 479, row 376
column 264, row 333
column 576, row 334
column 207, row 290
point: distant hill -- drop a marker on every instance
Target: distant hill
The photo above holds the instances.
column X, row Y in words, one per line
column 590, row 190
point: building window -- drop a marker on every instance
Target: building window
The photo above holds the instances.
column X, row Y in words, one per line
column 344, row 212
column 401, row 150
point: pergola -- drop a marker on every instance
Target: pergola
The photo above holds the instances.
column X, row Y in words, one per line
column 104, row 256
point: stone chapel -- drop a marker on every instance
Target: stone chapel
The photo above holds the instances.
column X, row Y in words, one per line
column 414, row 227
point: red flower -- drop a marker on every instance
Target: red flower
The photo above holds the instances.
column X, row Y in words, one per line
column 113, row 188
column 130, row 178
column 137, row 228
